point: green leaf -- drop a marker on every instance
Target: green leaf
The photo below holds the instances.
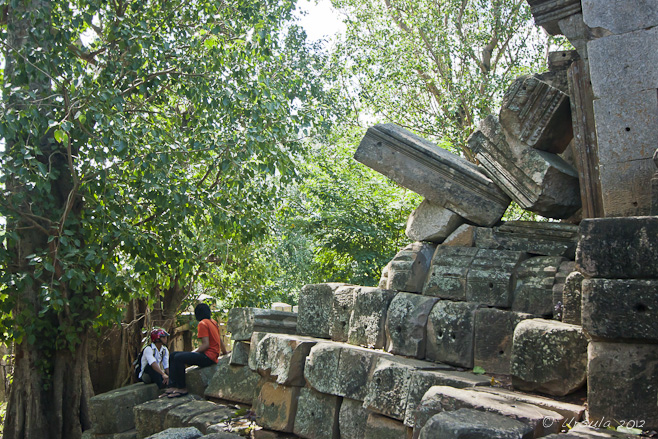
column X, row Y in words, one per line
column 478, row 370
column 61, row 136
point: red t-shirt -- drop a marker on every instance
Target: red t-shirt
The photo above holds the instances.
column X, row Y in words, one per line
column 208, row 328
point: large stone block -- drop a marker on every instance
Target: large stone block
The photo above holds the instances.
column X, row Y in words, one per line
column 619, row 248
column 367, row 323
column 315, row 309
column 150, row 416
column 566, row 268
column 406, row 324
column 619, row 17
column 446, row 399
column 381, row 427
column 534, row 285
column 571, row 412
column 572, row 298
column 431, row 222
column 492, row 276
column 343, row 303
column 463, row 236
column 240, row 353
column 317, row 415
column 534, row 237
column 624, row 187
column 448, row 272
column 549, row 13
column 408, row 270
column 276, row 406
column 112, row 412
column 242, row 322
column 256, row 337
column 436, row 174
column 233, row 383
column 220, row 416
column 352, row 419
column 615, row 309
column 197, row 378
column 179, row 416
column 537, row 180
column 469, row 423
column 281, row 357
column 178, row 433
column 549, row 357
column 450, row 333
column 494, row 332
column 622, row 382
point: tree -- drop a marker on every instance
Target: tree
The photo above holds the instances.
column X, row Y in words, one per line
column 130, row 128
column 437, row 67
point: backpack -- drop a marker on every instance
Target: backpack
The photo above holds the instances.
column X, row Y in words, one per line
column 137, row 365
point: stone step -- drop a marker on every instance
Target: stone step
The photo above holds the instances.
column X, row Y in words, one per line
column 468, row 423
column 242, row 322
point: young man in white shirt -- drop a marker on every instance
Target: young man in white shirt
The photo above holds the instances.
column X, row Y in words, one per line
column 155, row 359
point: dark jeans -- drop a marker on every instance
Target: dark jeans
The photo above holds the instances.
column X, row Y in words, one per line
column 177, row 362
column 155, row 376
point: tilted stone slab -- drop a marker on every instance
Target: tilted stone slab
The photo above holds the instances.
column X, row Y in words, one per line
column 431, row 222
column 535, row 237
column 469, row 423
column 341, row 369
column 534, row 285
column 448, row 273
column 423, row 380
column 537, row 114
column 368, row 319
column 463, row 236
column 352, row 419
column 150, row 416
column 281, row 357
column 618, row 309
column 197, row 378
column 317, row 415
column 441, row 177
column 446, row 399
column 381, row 427
column 388, row 389
column 406, row 324
column 619, row 248
column 240, row 353
column 549, row 357
column 494, row 332
column 408, row 270
column 571, row 412
column 548, row 13
column 276, row 406
column 622, row 382
column 341, row 311
column 537, row 180
column 450, row 330
column 491, row 277
column 112, row 412
column 572, row 299
column 180, row 415
column 315, row 309
column 566, row 268
column 233, row 383
column 242, row 322
column 178, row 433
column 220, row 415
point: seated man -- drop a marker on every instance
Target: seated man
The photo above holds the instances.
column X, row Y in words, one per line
column 155, row 359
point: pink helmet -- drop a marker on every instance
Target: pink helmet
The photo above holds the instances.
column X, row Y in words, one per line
column 156, row 333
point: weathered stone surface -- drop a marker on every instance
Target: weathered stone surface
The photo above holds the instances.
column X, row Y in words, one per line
column 619, row 17
column 341, row 369
column 549, row 357
column 654, row 187
column 534, row 285
column 150, row 416
column 622, row 382
column 566, row 268
column 537, row 114
column 112, row 412
column 221, row 414
column 423, row 380
column 381, row 427
column 281, row 357
column 406, row 324
column 445, row 399
column 352, row 419
column 233, row 383
column 317, row 415
column 383, row 280
column 491, row 277
column 178, row 433
column 408, row 269
column 431, row 222
column 436, row 174
column 548, row 13
column 197, row 378
column 276, row 406
column 572, row 299
column 388, row 389
column 130, row 434
column 469, row 423
column 582, row 431
column 343, row 303
column 256, row 337
column 281, row 306
column 222, row 435
column 180, row 415
column 494, row 332
column 369, row 317
column 450, row 333
column 534, row 237
column 448, row 272
column 240, row 353
column 315, row 309
column 269, row 434
column 615, row 309
column 242, row 322
column 570, row 412
column 537, row 180
column 463, row 236
column 619, row 248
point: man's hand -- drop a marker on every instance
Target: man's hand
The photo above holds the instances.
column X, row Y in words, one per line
column 165, row 379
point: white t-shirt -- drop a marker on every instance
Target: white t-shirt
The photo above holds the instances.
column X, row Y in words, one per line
column 152, row 355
